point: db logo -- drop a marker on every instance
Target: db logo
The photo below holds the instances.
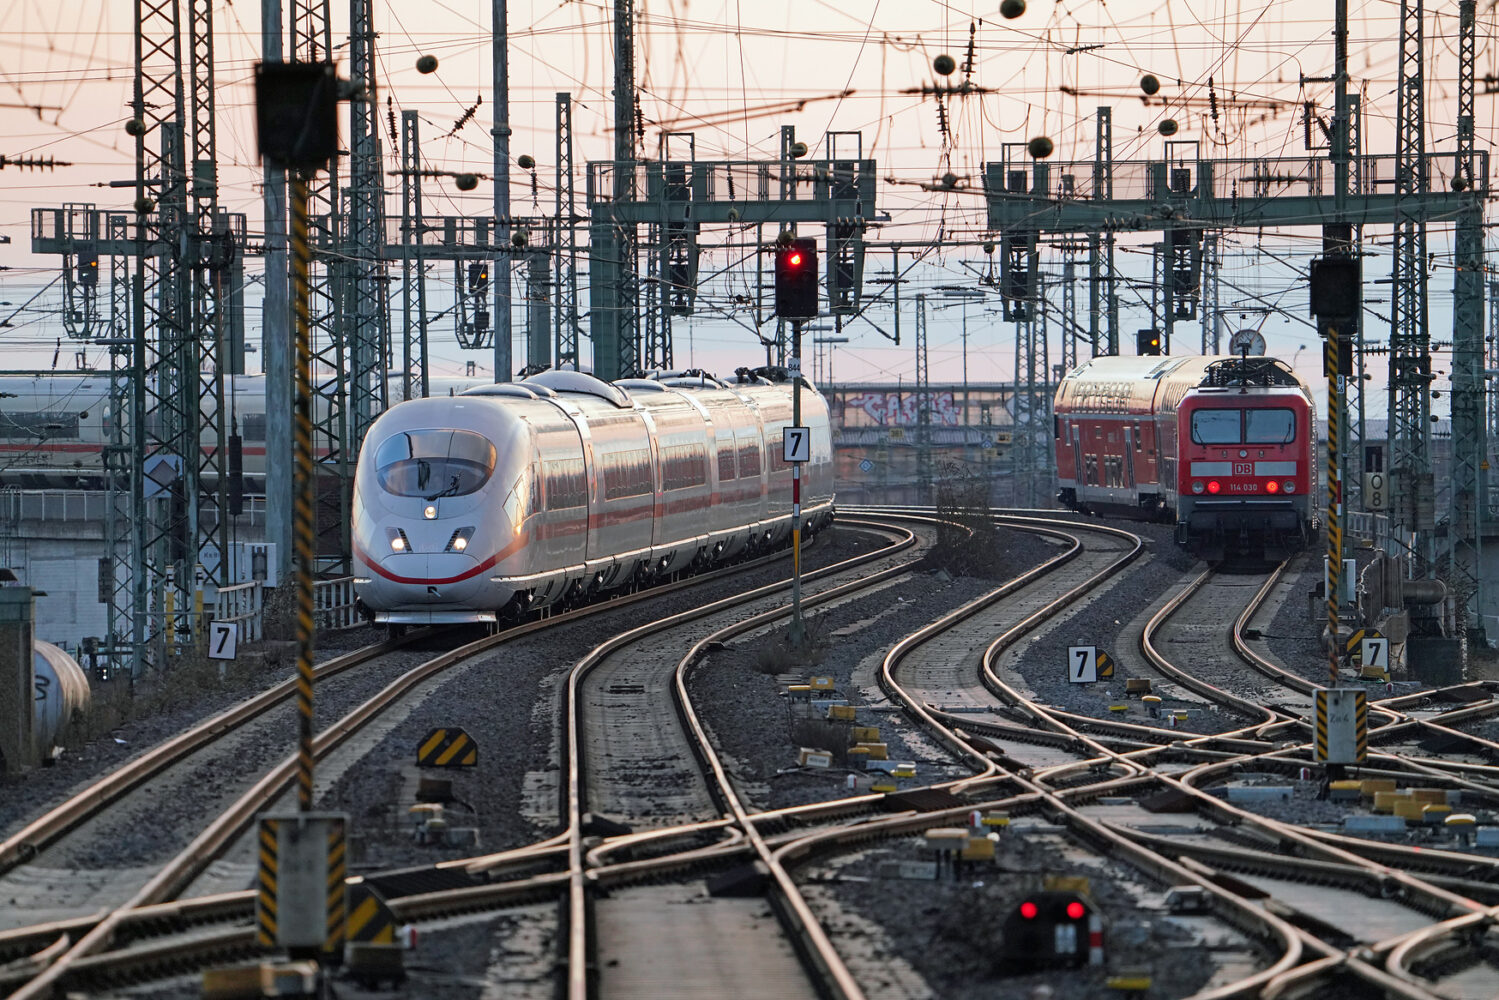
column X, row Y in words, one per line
column 1243, row 468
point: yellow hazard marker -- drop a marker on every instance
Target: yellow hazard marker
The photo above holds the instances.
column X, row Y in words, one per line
column 447, row 747
column 841, row 713
column 822, row 684
column 1118, row 708
column 370, row 919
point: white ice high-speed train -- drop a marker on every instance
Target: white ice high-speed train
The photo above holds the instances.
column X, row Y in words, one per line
column 512, row 497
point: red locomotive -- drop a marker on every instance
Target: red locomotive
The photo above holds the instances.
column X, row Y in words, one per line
column 1224, row 446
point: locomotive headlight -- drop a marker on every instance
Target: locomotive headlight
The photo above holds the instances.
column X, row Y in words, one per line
column 458, row 541
column 1289, row 486
column 1197, row 486
column 398, row 540
column 430, row 512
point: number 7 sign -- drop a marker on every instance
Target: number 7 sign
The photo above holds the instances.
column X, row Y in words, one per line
column 223, row 640
column 1082, row 664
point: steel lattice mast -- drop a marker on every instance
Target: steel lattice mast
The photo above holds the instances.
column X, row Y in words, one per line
column 1469, row 439
column 413, row 266
column 566, row 316
column 165, row 387
column 311, row 41
column 1410, row 344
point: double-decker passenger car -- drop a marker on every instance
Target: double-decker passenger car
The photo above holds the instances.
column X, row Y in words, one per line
column 1222, row 446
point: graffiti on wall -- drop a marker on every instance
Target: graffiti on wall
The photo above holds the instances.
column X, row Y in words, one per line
column 897, row 408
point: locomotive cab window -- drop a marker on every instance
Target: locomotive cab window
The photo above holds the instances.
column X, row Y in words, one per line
column 1269, row 426
column 1216, row 426
column 433, row 464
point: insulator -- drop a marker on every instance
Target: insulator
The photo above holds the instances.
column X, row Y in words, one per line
column 1212, row 101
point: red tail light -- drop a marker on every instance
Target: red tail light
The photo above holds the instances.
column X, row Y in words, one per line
column 1075, row 910
column 1272, row 487
column 1213, row 486
column 1028, row 910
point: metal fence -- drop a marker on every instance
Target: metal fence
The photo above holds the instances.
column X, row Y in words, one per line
column 243, row 603
column 332, row 601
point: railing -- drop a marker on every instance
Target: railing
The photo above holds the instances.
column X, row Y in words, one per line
column 243, row 603
column 333, row 603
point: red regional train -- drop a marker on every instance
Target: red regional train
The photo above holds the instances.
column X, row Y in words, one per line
column 1224, row 446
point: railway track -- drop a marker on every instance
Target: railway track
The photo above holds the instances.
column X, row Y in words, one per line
column 632, row 866
column 87, row 936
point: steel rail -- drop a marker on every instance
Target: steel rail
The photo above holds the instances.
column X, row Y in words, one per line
column 187, row 864
column 573, row 804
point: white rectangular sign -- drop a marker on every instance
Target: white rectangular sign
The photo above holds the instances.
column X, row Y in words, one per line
column 1375, row 653
column 223, row 640
column 1082, row 664
column 796, row 444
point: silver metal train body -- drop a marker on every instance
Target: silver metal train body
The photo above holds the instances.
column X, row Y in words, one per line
column 517, row 496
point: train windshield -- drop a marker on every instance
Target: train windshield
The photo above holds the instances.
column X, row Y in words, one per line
column 1216, row 426
column 433, row 464
column 1271, row 426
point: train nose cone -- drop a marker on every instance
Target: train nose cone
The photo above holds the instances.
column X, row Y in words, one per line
column 451, row 578
column 417, row 579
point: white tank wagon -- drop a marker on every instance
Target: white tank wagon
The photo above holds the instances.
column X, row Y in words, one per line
column 62, row 696
column 517, row 496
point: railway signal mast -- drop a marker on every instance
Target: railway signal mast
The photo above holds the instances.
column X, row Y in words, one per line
column 796, row 300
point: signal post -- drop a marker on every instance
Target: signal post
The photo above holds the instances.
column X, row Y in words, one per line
column 796, row 300
column 1340, row 722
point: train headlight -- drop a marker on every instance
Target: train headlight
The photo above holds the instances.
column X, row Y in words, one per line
column 458, row 541
column 430, row 512
column 1197, row 486
column 1213, row 486
column 398, row 541
column 1272, row 487
column 1289, row 486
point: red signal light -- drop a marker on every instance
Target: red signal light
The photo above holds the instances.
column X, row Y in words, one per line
column 795, row 260
column 1213, row 486
column 1075, row 910
column 1272, row 487
column 1028, row 910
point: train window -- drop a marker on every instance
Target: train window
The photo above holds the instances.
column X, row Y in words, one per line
column 685, row 465
column 38, row 426
column 567, row 486
column 726, row 463
column 1216, row 426
column 254, row 426
column 435, row 463
column 1269, row 426
column 749, row 460
column 627, row 474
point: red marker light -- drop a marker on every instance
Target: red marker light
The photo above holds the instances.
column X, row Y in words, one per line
column 1272, row 487
column 1213, row 486
column 1075, row 910
column 1028, row 910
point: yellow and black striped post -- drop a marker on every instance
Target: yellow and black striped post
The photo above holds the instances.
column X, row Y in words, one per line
column 1334, row 503
column 338, row 870
column 267, row 883
column 304, row 491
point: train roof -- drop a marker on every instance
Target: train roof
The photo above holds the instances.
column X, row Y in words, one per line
column 1116, row 368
